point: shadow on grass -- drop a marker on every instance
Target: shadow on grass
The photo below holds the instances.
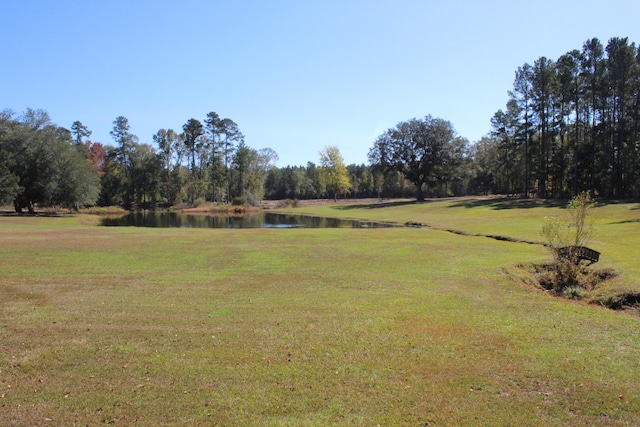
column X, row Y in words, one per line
column 497, row 203
column 379, row 205
column 8, row 213
column 502, row 203
column 635, row 220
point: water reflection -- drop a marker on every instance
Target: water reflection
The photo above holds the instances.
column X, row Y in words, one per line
column 259, row 220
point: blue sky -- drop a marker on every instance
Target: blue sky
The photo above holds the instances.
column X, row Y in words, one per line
column 295, row 75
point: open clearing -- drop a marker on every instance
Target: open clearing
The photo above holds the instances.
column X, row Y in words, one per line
column 312, row 327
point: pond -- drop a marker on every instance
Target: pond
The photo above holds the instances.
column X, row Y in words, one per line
column 259, row 220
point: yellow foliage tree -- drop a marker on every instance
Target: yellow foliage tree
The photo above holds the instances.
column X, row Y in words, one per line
column 333, row 172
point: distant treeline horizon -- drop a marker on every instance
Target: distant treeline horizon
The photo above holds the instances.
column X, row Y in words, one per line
column 569, row 125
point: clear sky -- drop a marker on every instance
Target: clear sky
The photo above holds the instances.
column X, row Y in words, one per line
column 295, row 75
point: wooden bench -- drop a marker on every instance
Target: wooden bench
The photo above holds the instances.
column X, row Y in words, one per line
column 579, row 253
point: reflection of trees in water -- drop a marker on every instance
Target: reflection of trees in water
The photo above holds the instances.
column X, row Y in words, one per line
column 261, row 220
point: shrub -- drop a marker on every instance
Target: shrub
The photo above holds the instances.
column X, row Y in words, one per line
column 238, row 201
column 289, row 203
column 565, row 275
column 573, row 292
column 200, row 201
column 252, row 199
column 570, row 232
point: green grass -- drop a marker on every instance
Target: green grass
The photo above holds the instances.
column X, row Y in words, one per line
column 616, row 237
column 276, row 327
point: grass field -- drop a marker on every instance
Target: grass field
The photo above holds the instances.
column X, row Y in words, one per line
column 311, row 327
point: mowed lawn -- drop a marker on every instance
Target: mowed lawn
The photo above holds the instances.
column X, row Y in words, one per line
column 304, row 327
column 617, row 225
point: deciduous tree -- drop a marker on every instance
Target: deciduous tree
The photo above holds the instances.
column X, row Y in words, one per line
column 333, row 172
column 40, row 164
column 421, row 149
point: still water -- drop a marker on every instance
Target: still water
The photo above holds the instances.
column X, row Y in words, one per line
column 259, row 220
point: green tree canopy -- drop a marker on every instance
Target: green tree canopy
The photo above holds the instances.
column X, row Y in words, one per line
column 423, row 150
column 79, row 131
column 333, row 172
column 40, row 164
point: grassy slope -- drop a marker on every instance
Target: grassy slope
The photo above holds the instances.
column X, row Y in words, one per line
column 617, row 225
column 303, row 327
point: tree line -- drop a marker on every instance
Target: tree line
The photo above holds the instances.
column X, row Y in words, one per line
column 207, row 162
column 569, row 125
column 48, row 165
